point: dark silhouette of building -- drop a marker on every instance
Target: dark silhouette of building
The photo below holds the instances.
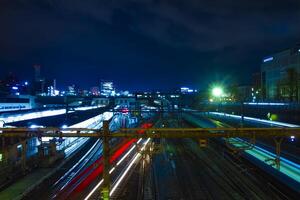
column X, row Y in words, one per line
column 37, row 72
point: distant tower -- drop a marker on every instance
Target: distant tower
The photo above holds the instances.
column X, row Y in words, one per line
column 54, row 84
column 37, row 72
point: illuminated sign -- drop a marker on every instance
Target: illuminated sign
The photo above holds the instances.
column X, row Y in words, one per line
column 268, row 59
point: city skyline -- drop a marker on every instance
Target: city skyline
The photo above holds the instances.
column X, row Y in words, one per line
column 156, row 45
column 149, row 99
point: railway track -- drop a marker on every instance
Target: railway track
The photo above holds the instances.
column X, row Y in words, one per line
column 91, row 155
column 208, row 174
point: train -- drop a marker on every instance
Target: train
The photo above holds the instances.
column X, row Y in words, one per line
column 82, row 180
column 8, row 104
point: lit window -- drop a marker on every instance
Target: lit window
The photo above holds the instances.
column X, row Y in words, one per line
column 268, row 59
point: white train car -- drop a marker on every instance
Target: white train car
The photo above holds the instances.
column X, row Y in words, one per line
column 15, row 104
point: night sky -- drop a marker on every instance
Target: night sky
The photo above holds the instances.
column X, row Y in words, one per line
column 144, row 44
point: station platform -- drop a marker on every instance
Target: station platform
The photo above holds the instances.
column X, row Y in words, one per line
column 16, row 190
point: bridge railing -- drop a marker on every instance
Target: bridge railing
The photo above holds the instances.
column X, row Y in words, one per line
column 198, row 133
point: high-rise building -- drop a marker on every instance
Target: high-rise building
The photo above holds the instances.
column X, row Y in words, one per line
column 256, row 89
column 40, row 85
column 37, row 72
column 54, row 84
column 256, row 80
column 280, row 75
column 71, row 90
column 50, row 91
column 95, row 91
column 185, row 90
column 107, row 88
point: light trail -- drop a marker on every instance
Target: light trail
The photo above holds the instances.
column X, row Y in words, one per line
column 39, row 114
column 32, row 115
column 112, row 169
column 132, row 148
column 95, row 172
column 124, row 174
column 255, row 119
column 74, row 166
column 266, row 104
column 137, row 155
column 287, row 167
column 94, row 122
column 118, row 163
column 88, row 108
column 93, row 190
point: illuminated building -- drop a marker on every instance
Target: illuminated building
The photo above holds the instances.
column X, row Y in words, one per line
column 185, row 90
column 280, row 75
column 51, row 89
column 95, row 91
column 107, row 88
column 71, row 90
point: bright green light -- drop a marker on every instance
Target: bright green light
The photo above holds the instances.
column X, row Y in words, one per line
column 217, row 92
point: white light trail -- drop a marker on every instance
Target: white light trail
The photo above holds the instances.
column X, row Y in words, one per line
column 32, row 115
column 82, row 158
column 265, row 104
column 124, row 174
column 255, row 119
column 137, row 155
column 93, row 190
column 131, row 149
column 39, row 114
column 112, row 169
column 94, row 122
column 287, row 167
column 88, row 107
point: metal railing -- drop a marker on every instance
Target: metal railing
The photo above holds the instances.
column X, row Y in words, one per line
column 198, row 133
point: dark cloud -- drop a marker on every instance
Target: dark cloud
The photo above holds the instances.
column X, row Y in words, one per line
column 175, row 41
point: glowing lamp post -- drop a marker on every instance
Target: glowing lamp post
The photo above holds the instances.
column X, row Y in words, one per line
column 217, row 92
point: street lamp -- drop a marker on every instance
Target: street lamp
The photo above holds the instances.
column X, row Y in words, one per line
column 217, row 92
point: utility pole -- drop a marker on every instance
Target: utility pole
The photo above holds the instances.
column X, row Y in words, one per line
column 67, row 108
column 242, row 114
column 106, row 179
